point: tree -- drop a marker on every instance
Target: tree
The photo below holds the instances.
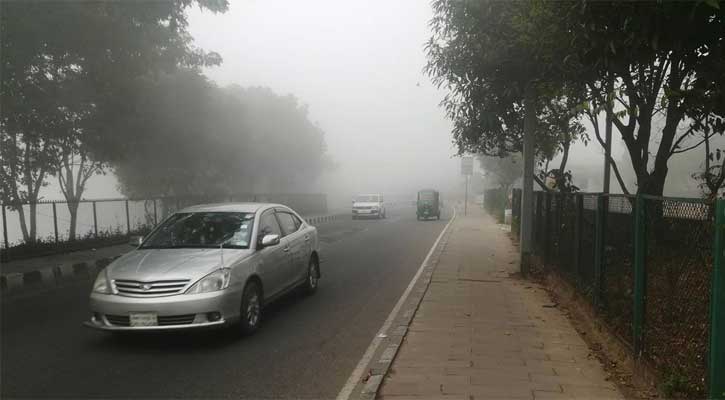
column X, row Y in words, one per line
column 499, row 61
column 225, row 141
column 105, row 46
column 661, row 75
column 504, row 171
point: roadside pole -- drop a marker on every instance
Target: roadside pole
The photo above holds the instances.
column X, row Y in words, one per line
column 465, row 203
column 608, row 138
column 466, row 171
column 527, row 198
column 716, row 362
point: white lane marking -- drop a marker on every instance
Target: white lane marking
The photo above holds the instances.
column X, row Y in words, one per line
column 359, row 370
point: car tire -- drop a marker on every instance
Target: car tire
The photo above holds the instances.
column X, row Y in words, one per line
column 313, row 276
column 250, row 312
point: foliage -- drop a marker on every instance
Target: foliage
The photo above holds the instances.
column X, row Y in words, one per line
column 488, row 54
column 70, row 62
column 504, row 171
column 661, row 75
column 190, row 137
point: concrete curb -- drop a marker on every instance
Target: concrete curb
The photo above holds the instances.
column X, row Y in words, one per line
column 53, row 276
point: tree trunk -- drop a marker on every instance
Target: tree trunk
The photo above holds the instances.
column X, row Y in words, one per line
column 23, row 224
column 33, row 222
column 73, row 211
column 560, row 176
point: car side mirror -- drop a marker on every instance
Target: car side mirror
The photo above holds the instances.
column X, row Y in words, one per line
column 269, row 240
column 135, row 241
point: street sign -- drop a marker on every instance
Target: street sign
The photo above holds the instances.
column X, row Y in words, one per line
column 467, row 166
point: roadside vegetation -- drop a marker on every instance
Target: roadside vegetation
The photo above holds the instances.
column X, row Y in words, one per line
column 89, row 88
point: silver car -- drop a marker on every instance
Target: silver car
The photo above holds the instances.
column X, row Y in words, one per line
column 206, row 266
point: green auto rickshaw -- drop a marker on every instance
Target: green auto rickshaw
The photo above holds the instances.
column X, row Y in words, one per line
column 428, row 204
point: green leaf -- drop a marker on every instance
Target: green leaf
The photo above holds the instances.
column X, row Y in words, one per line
column 713, row 3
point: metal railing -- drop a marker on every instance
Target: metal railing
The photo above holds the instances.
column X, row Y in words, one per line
column 646, row 265
column 109, row 221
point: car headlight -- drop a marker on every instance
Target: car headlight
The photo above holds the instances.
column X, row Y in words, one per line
column 102, row 285
column 217, row 280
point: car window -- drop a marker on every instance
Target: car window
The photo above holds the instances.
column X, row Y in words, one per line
column 289, row 222
column 202, row 229
column 268, row 225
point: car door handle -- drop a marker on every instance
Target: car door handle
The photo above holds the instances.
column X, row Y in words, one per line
column 286, row 249
column 307, row 238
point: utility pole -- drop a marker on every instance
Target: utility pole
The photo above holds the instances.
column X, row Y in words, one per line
column 527, row 201
column 467, row 171
column 465, row 203
column 608, row 136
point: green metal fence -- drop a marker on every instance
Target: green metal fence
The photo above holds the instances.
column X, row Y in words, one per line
column 652, row 267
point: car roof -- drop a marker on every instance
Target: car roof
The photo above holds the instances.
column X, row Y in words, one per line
column 231, row 207
column 369, row 194
column 427, row 190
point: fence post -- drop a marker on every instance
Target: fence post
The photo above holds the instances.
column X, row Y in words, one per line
column 716, row 381
column 156, row 220
column 547, row 228
column 578, row 231
column 599, row 244
column 640, row 273
column 128, row 220
column 55, row 223
column 5, row 228
column 95, row 221
column 538, row 225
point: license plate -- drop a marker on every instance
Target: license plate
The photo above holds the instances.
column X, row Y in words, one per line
column 364, row 212
column 144, row 319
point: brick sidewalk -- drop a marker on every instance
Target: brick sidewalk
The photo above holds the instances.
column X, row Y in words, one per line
column 479, row 334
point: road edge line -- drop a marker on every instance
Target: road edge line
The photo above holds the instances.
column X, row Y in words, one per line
column 357, row 374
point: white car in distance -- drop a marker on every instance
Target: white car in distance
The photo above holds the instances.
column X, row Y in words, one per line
column 368, row 205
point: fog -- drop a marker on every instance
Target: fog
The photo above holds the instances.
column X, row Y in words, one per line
column 357, row 66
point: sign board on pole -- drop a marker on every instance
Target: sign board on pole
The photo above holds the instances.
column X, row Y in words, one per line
column 467, row 166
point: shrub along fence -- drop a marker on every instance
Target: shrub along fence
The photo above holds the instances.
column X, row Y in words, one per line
column 495, row 202
column 654, row 270
column 104, row 222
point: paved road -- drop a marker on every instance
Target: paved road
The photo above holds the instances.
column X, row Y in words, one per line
column 307, row 346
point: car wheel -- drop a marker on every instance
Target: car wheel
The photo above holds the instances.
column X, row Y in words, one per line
column 251, row 308
column 313, row 276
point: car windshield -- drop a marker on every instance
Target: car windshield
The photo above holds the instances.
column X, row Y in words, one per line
column 203, row 230
column 367, row 198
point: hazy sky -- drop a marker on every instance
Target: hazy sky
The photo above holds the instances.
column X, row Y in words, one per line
column 358, row 65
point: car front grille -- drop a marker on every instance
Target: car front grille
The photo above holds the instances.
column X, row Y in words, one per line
column 363, row 208
column 176, row 319
column 125, row 320
column 150, row 289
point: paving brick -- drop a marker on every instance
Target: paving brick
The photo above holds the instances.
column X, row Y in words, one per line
column 480, row 335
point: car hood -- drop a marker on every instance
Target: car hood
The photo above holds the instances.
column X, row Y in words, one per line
column 366, row 204
column 160, row 264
